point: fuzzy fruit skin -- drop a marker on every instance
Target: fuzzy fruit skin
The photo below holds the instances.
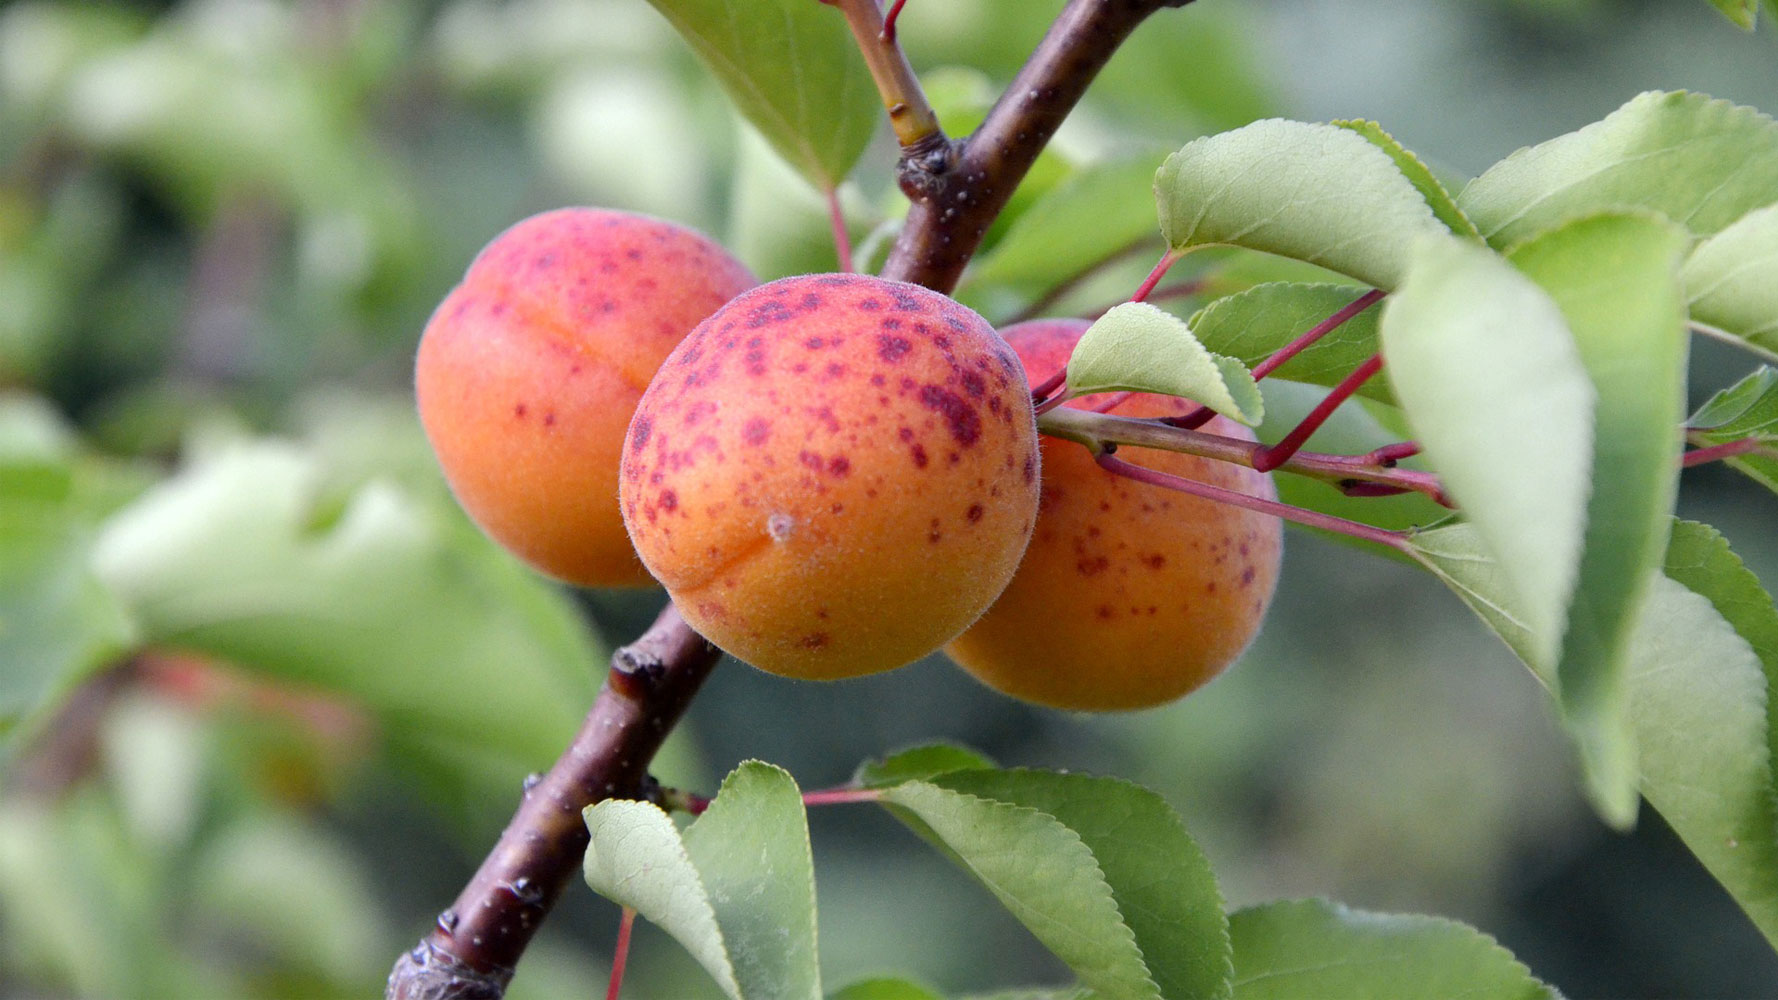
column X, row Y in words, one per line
column 1130, row 595
column 529, row 370
column 834, row 474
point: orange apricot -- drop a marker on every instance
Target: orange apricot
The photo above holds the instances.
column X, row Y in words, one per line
column 1129, row 595
column 834, row 474
column 529, row 370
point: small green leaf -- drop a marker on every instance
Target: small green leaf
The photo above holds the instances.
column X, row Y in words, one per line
column 918, row 764
column 1160, row 880
column 1732, row 280
column 1615, row 278
column 1417, row 173
column 1705, row 686
column 637, row 859
column 1747, row 409
column 885, row 989
column 736, row 890
column 751, row 848
column 397, row 604
column 1489, row 377
column 1458, row 555
column 1701, row 162
column 1249, row 326
column 792, row 69
column 1042, row 872
column 1313, row 948
column 1315, row 193
column 1743, row 12
column 1137, row 346
column 1095, row 213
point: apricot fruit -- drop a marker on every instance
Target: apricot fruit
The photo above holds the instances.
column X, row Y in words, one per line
column 1129, row 595
column 833, row 475
column 529, row 370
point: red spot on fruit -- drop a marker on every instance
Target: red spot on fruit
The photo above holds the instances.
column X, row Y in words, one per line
column 964, row 423
column 839, row 465
column 519, row 411
column 669, row 500
column 891, row 348
column 814, row 640
column 754, row 432
column 639, row 432
column 920, row 456
column 975, row 512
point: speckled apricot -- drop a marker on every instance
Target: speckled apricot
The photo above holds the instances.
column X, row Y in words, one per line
column 529, row 370
column 1129, row 595
column 834, row 474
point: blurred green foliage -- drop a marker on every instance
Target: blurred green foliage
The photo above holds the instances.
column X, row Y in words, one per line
column 266, row 694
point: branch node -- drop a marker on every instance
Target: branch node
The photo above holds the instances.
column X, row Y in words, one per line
column 925, row 167
column 428, row 972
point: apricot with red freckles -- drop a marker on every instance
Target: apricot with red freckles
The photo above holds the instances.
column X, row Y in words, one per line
column 834, row 474
column 529, row 370
column 1129, row 595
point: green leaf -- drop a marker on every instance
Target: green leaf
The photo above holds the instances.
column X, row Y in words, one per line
column 1096, row 213
column 1732, row 280
column 885, row 989
column 1042, row 872
column 1705, row 684
column 1615, row 278
column 1459, row 555
column 1313, row 948
column 1249, row 326
column 1493, row 386
column 1747, row 409
column 1415, row 170
column 751, row 847
column 1743, row 12
column 399, row 605
column 637, row 859
column 1160, row 880
column 792, row 69
column 918, row 764
column 1703, row 675
column 1315, row 193
column 1701, row 162
column 1137, row 346
column 737, row 889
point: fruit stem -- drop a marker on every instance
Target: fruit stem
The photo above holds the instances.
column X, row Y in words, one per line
column 841, row 796
column 1167, row 261
column 842, row 242
column 1272, row 456
column 1201, row 416
column 620, row 952
column 1041, row 391
column 1345, row 472
column 1309, row 518
column 910, row 114
column 1728, row 449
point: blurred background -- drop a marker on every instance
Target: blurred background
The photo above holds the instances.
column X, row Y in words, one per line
column 266, row 697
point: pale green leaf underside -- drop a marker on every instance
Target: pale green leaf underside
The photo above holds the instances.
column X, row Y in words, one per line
column 1249, row 326
column 736, row 890
column 792, row 69
column 1295, row 949
column 1704, row 674
column 1138, row 347
column 884, row 989
column 1615, row 278
column 1703, row 671
column 1701, row 162
column 1311, row 192
column 1415, row 170
column 1732, row 279
column 751, row 849
column 637, row 859
column 1160, row 880
column 1487, row 373
column 1044, row 875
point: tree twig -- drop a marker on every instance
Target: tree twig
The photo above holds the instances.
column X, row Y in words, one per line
column 954, row 203
column 471, row 952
